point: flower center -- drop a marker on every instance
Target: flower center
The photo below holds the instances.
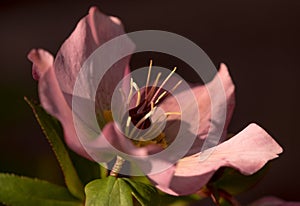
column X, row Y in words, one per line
column 139, row 113
column 146, row 102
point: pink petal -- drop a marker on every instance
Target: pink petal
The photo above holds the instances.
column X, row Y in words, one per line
column 112, row 142
column 204, row 103
column 273, row 201
column 56, row 81
column 171, row 184
column 52, row 98
column 163, row 180
column 247, row 151
column 42, row 61
column 91, row 32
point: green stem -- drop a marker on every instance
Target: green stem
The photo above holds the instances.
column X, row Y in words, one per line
column 117, row 166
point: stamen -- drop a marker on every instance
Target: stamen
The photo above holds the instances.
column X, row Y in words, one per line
column 148, row 97
column 145, row 106
column 165, row 93
column 159, row 127
column 130, row 92
column 160, row 96
column 164, row 82
column 140, row 122
column 176, row 85
column 144, row 118
column 152, row 109
column 148, row 77
column 138, row 92
column 127, row 125
column 154, row 85
column 152, row 106
column 172, row 113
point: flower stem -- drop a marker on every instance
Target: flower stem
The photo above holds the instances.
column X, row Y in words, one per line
column 214, row 199
column 117, row 166
column 229, row 198
column 217, row 194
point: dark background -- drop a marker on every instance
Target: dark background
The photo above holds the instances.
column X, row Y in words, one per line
column 258, row 40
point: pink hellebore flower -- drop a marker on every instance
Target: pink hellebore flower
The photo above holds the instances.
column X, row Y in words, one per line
column 247, row 151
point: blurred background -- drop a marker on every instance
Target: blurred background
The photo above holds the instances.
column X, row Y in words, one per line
column 258, row 40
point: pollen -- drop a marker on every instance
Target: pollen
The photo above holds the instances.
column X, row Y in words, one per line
column 107, row 115
column 159, row 140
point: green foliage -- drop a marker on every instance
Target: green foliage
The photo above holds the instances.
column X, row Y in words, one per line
column 113, row 191
column 24, row 191
column 53, row 132
column 144, row 193
column 109, row 191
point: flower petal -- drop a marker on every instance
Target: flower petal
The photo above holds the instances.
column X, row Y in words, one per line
column 56, row 81
column 112, row 142
column 248, row 152
column 211, row 119
column 163, row 180
column 204, row 102
column 208, row 122
column 91, row 32
column 42, row 61
column 52, row 98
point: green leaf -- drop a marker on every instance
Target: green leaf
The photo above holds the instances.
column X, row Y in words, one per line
column 144, row 193
column 233, row 182
column 53, row 131
column 110, row 191
column 121, row 194
column 24, row 191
